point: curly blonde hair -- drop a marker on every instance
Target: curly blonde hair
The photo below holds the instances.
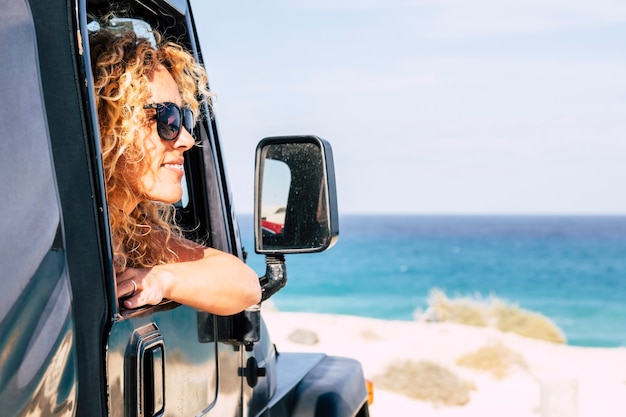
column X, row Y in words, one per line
column 123, row 64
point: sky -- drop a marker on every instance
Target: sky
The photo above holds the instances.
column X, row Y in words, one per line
column 431, row 106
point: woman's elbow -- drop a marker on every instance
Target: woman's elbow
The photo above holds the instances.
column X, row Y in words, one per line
column 248, row 296
column 252, row 294
column 248, row 292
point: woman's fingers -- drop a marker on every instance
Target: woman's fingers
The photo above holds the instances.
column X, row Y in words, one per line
column 140, row 286
column 127, row 288
column 132, row 302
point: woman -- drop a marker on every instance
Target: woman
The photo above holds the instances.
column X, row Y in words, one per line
column 146, row 99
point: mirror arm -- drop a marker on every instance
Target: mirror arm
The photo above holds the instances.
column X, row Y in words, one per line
column 275, row 276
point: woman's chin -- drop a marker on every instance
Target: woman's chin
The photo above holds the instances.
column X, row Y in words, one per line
column 174, row 200
column 169, row 197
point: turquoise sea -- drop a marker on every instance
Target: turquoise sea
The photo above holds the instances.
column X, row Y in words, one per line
column 572, row 269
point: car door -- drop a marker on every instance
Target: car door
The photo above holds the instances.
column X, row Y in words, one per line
column 143, row 362
column 159, row 361
column 38, row 373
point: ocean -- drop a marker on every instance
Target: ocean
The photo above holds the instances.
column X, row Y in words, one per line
column 571, row 269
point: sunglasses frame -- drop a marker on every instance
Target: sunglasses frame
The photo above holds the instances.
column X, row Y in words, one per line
column 185, row 116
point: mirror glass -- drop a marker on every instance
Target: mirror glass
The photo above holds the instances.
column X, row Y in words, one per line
column 276, row 183
column 292, row 205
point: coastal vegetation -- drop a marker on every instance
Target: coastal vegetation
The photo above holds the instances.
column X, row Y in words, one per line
column 494, row 358
column 429, row 381
column 490, row 312
column 426, row 381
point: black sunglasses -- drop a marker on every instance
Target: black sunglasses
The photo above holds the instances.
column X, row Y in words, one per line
column 170, row 118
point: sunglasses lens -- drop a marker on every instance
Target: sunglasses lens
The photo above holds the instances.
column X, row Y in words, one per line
column 168, row 121
column 188, row 120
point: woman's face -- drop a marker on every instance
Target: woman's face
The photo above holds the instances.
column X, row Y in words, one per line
column 161, row 180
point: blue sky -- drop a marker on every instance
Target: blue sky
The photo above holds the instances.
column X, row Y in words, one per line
column 437, row 107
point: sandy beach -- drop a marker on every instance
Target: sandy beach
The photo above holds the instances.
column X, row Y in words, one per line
column 545, row 379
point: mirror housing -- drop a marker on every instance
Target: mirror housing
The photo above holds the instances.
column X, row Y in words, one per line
column 295, row 208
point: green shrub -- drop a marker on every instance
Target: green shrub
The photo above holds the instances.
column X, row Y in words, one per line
column 527, row 323
column 460, row 310
column 492, row 312
column 494, row 358
column 426, row 381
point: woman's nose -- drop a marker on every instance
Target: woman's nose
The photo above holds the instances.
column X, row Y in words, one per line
column 185, row 140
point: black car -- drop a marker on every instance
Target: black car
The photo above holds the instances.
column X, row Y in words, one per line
column 67, row 347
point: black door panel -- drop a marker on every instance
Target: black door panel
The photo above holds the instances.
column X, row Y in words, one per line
column 38, row 373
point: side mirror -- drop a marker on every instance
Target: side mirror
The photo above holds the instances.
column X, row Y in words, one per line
column 295, row 196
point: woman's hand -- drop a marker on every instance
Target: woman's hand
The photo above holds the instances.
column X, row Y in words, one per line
column 143, row 286
column 204, row 278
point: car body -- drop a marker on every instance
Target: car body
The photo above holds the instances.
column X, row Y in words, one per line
column 67, row 347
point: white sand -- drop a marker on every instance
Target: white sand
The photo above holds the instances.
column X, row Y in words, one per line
column 560, row 381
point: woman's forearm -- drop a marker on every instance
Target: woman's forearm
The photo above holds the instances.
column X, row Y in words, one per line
column 218, row 283
column 205, row 278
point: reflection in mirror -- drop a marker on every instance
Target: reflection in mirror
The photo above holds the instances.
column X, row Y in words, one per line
column 293, row 197
column 276, row 182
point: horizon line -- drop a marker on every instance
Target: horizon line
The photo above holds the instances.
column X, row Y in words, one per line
column 477, row 214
